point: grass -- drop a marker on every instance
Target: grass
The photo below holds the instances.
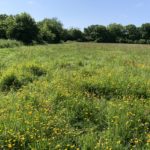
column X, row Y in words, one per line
column 75, row 96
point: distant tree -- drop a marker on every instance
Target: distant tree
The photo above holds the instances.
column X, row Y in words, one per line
column 145, row 31
column 22, row 27
column 96, row 33
column 116, row 32
column 132, row 32
column 75, row 34
column 10, row 24
column 65, row 35
column 51, row 30
column 3, row 17
column 3, row 26
column 89, row 32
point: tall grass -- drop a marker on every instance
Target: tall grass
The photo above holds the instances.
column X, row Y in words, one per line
column 79, row 96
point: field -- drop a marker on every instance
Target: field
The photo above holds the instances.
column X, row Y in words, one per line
column 75, row 96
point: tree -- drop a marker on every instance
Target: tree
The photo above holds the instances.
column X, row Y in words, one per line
column 132, row 32
column 96, row 33
column 10, row 25
column 116, row 32
column 51, row 30
column 89, row 31
column 75, row 34
column 22, row 27
column 65, row 35
column 145, row 31
column 3, row 27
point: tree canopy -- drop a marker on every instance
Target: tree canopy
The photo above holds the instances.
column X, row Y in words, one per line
column 50, row 30
column 23, row 27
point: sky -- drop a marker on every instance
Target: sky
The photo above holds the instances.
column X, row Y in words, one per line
column 82, row 13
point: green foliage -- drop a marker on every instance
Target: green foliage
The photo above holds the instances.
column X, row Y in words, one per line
column 37, row 71
column 145, row 31
column 10, row 81
column 132, row 32
column 3, row 26
column 51, row 30
column 116, row 32
column 75, row 35
column 22, row 27
column 96, row 33
column 3, row 16
column 142, row 41
column 9, row 43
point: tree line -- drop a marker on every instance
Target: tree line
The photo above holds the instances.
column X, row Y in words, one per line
column 24, row 28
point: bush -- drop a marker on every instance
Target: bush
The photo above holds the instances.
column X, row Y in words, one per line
column 142, row 41
column 130, row 41
column 121, row 40
column 136, row 42
column 37, row 71
column 9, row 43
column 148, row 42
column 9, row 82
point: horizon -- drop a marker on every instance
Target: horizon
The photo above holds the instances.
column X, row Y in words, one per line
column 81, row 14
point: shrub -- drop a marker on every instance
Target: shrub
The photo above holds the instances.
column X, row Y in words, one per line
column 142, row 41
column 9, row 43
column 9, row 82
column 130, row 41
column 148, row 41
column 136, row 42
column 122, row 40
column 37, row 71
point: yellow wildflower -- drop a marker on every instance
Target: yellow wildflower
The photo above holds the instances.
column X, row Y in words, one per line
column 10, row 146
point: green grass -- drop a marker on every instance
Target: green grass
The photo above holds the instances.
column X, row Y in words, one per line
column 75, row 96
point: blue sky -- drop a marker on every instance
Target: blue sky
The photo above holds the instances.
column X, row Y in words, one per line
column 81, row 13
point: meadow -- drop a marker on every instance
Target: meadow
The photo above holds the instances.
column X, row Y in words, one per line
column 75, row 96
